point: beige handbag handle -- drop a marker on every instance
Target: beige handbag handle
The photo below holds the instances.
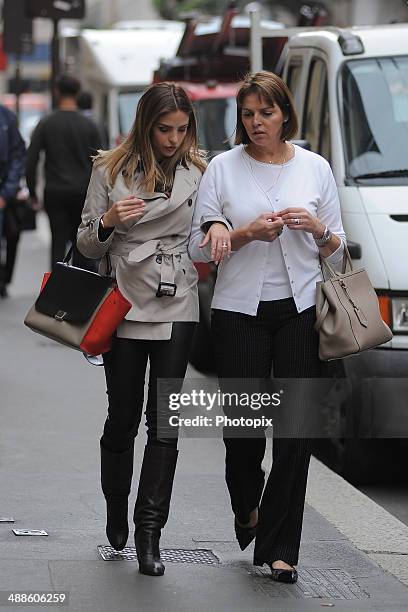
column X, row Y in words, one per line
column 322, row 315
column 333, row 274
column 346, row 260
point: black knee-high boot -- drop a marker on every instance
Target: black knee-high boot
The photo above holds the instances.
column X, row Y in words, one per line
column 116, row 479
column 152, row 505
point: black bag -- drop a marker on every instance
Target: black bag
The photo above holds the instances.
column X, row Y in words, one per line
column 78, row 308
column 72, row 294
column 19, row 216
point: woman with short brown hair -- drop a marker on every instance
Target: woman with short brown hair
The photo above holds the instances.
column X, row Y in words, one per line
column 270, row 87
column 281, row 206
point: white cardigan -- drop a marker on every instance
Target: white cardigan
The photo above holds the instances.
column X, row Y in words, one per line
column 228, row 192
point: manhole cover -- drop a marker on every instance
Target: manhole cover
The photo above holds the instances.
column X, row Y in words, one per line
column 172, row 555
column 312, row 583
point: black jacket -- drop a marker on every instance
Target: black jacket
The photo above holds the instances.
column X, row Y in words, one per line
column 12, row 154
column 68, row 140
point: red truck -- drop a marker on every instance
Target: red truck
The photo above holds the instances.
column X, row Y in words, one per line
column 210, row 62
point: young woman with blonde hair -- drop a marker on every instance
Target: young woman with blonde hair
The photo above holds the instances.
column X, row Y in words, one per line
column 139, row 209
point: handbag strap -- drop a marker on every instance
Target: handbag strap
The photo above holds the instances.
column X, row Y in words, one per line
column 68, row 257
column 346, row 260
column 322, row 315
column 325, row 308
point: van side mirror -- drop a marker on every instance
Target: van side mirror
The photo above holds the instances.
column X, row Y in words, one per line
column 305, row 144
column 354, row 249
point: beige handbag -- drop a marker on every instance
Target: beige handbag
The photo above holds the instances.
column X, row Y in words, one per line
column 348, row 316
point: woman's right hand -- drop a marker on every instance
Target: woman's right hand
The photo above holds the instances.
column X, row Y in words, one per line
column 128, row 209
column 266, row 227
column 219, row 236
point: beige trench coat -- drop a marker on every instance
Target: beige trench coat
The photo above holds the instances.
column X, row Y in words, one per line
column 150, row 250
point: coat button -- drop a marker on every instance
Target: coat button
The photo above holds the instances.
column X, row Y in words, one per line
column 159, row 259
column 190, row 202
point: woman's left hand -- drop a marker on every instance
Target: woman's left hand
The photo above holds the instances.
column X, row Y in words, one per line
column 220, row 239
column 302, row 219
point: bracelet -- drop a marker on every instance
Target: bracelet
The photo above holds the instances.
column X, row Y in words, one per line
column 104, row 232
column 325, row 238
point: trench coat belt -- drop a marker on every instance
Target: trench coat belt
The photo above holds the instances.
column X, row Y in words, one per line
column 168, row 257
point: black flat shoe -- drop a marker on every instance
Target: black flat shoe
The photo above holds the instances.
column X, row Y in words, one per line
column 244, row 535
column 284, row 575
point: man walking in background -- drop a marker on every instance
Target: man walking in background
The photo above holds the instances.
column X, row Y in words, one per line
column 12, row 162
column 68, row 140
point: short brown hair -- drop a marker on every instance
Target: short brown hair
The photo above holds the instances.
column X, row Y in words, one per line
column 273, row 90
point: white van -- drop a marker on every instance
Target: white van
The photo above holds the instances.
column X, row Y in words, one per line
column 351, row 92
column 117, row 65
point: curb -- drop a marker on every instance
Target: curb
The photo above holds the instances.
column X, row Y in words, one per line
column 371, row 528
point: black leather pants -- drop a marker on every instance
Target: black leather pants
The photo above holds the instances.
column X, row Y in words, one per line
column 125, row 371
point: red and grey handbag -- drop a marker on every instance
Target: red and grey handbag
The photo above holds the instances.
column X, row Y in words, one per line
column 78, row 308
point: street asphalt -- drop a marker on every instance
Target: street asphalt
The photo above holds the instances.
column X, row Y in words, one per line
column 353, row 555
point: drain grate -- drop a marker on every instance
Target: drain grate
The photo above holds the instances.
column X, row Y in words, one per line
column 312, row 583
column 172, row 555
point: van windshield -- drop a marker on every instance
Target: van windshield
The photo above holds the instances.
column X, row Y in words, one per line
column 375, row 120
column 216, row 119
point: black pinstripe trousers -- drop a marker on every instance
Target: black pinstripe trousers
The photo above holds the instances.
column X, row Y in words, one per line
column 249, row 347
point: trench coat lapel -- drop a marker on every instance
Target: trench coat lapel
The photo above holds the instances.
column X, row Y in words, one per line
column 185, row 182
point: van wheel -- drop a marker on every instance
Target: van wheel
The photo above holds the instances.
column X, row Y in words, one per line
column 362, row 461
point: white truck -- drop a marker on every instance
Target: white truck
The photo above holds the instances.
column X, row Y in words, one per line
column 351, row 92
column 117, row 65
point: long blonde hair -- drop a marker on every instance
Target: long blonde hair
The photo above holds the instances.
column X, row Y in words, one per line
column 157, row 100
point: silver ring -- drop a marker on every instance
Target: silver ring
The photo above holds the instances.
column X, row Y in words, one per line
column 297, row 221
column 224, row 245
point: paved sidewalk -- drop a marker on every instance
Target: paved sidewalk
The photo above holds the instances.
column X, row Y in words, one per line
column 52, row 411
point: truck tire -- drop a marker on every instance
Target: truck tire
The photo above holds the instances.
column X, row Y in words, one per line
column 363, row 462
column 202, row 350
